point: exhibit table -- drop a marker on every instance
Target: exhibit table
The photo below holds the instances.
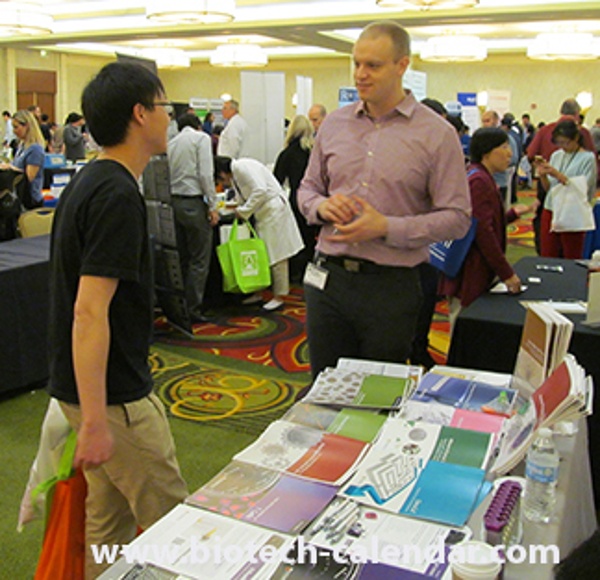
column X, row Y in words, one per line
column 574, row 520
column 487, row 333
column 24, row 304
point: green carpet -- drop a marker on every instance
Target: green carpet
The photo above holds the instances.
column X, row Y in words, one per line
column 202, row 450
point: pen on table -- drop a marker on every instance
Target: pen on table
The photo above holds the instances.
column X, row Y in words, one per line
column 333, row 530
column 327, row 519
column 208, row 534
column 340, row 529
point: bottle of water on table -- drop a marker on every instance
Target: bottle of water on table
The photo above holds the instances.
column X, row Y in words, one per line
column 541, row 473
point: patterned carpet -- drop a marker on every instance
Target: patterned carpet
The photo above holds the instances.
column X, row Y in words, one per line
column 231, row 394
column 275, row 339
column 243, row 370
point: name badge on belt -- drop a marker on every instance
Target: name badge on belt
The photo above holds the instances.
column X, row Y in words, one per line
column 315, row 276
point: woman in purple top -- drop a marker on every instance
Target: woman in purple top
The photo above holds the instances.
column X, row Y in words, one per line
column 486, row 261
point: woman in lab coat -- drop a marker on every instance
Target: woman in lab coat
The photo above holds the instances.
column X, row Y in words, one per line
column 260, row 195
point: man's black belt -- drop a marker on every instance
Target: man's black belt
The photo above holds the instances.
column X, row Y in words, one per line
column 355, row 265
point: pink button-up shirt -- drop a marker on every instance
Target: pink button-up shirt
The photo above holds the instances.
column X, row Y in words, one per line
column 408, row 165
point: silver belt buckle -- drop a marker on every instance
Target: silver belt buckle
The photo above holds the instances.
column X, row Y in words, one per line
column 351, row 265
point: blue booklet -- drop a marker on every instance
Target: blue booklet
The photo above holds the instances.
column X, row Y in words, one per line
column 463, row 393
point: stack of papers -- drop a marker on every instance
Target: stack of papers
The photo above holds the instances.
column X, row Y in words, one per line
column 567, row 394
column 263, row 496
column 440, row 387
column 544, row 343
column 305, row 452
column 347, row 386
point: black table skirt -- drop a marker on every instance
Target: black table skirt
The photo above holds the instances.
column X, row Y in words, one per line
column 24, row 307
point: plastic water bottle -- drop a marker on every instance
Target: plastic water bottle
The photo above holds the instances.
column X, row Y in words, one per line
column 541, row 474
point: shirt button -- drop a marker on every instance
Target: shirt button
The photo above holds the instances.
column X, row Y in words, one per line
column 370, row 154
column 364, row 184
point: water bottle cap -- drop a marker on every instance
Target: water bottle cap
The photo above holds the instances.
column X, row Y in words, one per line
column 545, row 432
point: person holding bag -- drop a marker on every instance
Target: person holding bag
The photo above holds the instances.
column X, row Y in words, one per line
column 486, row 260
column 261, row 196
column 561, row 175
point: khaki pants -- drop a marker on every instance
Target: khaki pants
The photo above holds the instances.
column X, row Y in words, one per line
column 139, row 484
column 280, row 278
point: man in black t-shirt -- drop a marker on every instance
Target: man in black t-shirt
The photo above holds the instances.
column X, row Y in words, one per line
column 101, row 315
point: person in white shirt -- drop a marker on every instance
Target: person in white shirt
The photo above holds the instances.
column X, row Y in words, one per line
column 261, row 196
column 232, row 142
column 9, row 135
column 194, row 204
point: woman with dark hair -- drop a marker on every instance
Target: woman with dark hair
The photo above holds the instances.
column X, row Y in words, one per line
column 570, row 160
column 290, row 166
column 486, row 261
column 207, row 124
column 73, row 137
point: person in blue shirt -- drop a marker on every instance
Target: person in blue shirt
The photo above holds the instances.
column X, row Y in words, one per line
column 29, row 158
column 207, row 125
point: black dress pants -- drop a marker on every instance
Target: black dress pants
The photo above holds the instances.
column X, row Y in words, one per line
column 366, row 314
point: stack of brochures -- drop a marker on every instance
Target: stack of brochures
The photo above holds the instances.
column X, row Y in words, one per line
column 463, row 398
column 566, row 395
column 364, row 384
column 544, row 343
column 374, row 474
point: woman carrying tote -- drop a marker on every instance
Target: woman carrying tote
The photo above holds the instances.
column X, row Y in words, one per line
column 570, row 160
column 29, row 158
column 486, row 260
column 260, row 195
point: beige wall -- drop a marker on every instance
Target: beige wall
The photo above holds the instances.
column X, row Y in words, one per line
column 545, row 84
column 530, row 82
column 73, row 73
column 205, row 81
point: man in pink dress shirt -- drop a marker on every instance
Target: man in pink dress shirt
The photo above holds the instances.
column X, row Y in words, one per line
column 385, row 179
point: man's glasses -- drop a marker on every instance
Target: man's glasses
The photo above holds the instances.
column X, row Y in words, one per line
column 168, row 105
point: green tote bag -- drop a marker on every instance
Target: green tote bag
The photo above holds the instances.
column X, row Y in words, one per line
column 245, row 263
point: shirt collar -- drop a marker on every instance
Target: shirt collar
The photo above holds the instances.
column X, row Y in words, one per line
column 405, row 107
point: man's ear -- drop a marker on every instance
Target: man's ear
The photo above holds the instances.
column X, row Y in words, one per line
column 139, row 113
column 403, row 64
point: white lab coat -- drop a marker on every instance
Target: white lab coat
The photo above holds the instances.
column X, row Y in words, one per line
column 259, row 194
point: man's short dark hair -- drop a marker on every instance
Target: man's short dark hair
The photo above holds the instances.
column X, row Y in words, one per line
column 188, row 120
column 73, row 117
column 109, row 98
column 435, row 105
column 222, row 165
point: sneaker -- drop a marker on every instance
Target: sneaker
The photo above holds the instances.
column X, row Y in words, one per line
column 273, row 304
column 253, row 299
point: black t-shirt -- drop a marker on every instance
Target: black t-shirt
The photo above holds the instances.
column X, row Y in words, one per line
column 100, row 230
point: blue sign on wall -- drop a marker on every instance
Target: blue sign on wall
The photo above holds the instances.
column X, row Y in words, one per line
column 467, row 99
column 347, row 95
